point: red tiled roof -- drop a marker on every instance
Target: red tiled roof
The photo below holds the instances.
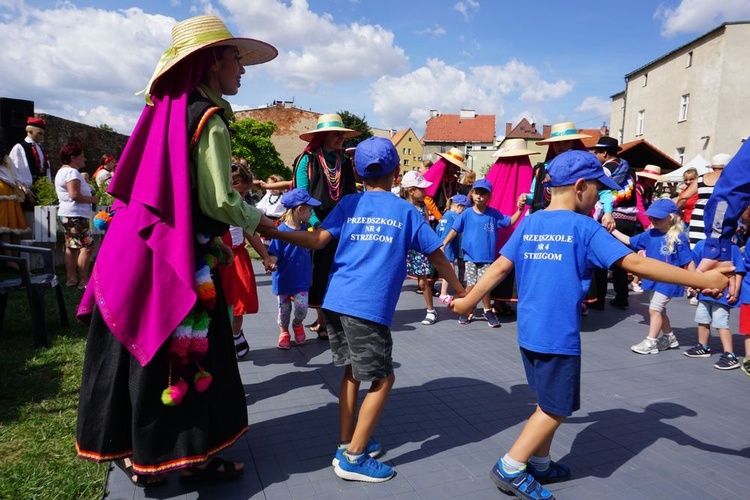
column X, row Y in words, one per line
column 524, row 130
column 453, row 128
column 398, row 136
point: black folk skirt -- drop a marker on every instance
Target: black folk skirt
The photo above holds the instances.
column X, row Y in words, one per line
column 120, row 412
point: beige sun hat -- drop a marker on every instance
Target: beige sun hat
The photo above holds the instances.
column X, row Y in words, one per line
column 199, row 32
column 455, row 156
column 564, row 131
column 651, row 172
column 514, row 147
column 330, row 122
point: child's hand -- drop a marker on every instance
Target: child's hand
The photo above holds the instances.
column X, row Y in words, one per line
column 461, row 307
column 269, row 264
column 228, row 255
column 522, row 201
column 719, row 280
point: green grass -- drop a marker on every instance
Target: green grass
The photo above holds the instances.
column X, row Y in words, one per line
column 38, row 402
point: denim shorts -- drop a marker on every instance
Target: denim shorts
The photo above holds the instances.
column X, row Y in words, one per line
column 556, row 380
column 712, row 314
column 659, row 302
column 364, row 344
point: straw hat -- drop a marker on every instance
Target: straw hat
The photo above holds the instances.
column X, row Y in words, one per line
column 565, row 131
column 330, row 122
column 455, row 156
column 650, row 172
column 514, row 147
column 199, row 32
column 720, row 159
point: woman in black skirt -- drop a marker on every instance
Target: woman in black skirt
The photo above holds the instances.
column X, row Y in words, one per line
column 161, row 389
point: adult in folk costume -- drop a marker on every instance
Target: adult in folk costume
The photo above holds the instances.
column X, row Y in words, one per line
column 327, row 173
column 444, row 177
column 28, row 157
column 161, row 389
column 512, row 173
column 564, row 137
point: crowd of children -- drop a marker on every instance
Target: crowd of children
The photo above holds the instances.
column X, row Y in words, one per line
column 383, row 239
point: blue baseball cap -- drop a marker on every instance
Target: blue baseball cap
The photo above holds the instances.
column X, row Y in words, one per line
column 461, row 199
column 566, row 168
column 482, row 184
column 297, row 197
column 662, row 208
column 375, row 157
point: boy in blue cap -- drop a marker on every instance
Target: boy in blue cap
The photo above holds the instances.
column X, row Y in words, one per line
column 554, row 252
column 375, row 232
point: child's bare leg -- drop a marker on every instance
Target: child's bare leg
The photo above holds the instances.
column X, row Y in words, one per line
column 348, row 391
column 655, row 323
column 704, row 331
column 725, row 334
column 487, row 302
column 666, row 325
column 369, row 413
column 426, row 286
column 236, row 325
column 536, row 437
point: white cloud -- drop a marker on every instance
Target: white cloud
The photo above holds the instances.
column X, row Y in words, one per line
column 596, row 106
column 466, row 8
column 406, row 101
column 65, row 56
column 435, row 31
column 700, row 15
column 313, row 49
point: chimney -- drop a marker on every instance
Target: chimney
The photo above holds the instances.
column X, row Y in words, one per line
column 533, row 128
column 546, row 131
column 508, row 128
column 434, row 113
column 604, row 131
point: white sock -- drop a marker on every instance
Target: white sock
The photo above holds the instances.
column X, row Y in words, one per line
column 512, row 466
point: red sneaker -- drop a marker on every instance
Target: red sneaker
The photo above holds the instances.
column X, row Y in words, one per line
column 284, row 341
column 299, row 334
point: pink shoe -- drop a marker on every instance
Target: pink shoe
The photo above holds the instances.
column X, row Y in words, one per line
column 446, row 299
column 299, row 334
column 284, row 341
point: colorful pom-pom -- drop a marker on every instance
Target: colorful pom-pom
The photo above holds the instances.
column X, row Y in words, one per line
column 102, row 220
column 173, row 394
column 202, row 380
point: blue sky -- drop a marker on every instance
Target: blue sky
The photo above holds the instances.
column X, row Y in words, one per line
column 391, row 61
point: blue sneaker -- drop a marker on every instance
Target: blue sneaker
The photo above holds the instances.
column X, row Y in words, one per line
column 521, row 484
column 556, row 472
column 373, row 449
column 364, row 469
column 463, row 320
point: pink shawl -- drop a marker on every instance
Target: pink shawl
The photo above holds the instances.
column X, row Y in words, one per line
column 435, row 175
column 144, row 278
column 510, row 177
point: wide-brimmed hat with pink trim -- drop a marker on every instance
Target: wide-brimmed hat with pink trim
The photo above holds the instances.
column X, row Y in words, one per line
column 514, row 147
column 564, row 131
column 650, row 172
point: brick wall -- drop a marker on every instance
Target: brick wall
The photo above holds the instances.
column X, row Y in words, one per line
column 290, row 123
column 96, row 142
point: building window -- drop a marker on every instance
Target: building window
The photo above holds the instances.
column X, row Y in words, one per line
column 645, row 79
column 406, row 163
column 409, row 150
column 684, row 103
column 689, row 59
column 403, row 151
column 680, row 154
column 409, row 139
column 619, row 136
column 641, row 119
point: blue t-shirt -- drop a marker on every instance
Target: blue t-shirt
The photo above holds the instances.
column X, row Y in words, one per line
column 655, row 245
column 745, row 291
column 554, row 254
column 375, row 232
column 293, row 272
column 480, row 233
column 737, row 261
column 443, row 228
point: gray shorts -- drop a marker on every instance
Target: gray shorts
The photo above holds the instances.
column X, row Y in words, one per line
column 712, row 314
column 474, row 271
column 366, row 345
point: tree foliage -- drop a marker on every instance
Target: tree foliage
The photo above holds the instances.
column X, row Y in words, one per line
column 354, row 122
column 104, row 126
column 251, row 139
